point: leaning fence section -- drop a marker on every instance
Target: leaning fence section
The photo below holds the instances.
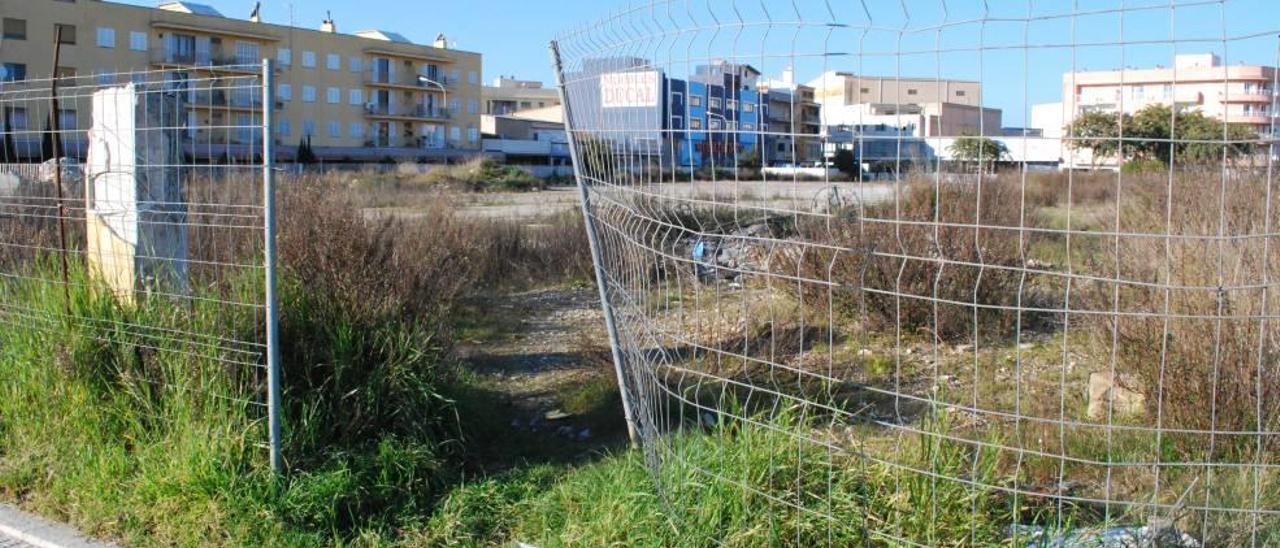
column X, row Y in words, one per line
column 940, row 272
column 132, row 234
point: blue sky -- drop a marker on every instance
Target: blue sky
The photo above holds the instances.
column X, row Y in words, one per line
column 1020, row 63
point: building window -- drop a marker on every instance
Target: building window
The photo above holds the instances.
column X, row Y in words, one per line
column 68, row 33
column 748, row 127
column 334, row 96
column 308, row 94
column 677, row 122
column 748, row 107
column 106, row 37
column 284, row 128
column 248, row 53
column 138, row 41
column 308, row 59
column 15, row 29
column 284, row 92
column 695, row 100
column 67, row 119
column 308, row 127
column 105, row 78
column 960, row 93
column 357, row 129
column 334, row 62
column 335, row 129
column 714, row 123
column 911, row 91
column 17, row 117
column 864, row 90
column 284, row 56
column 473, row 134
column 456, row 75
column 473, row 77
column 695, row 123
column 455, row 133
column 13, row 72
column 453, row 105
column 714, row 103
column 356, row 63
column 356, row 97
column 473, row 106
column 731, row 104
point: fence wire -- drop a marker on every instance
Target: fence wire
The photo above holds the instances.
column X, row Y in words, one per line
column 132, row 233
column 941, row 272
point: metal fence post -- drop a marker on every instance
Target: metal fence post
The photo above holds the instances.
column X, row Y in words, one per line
column 593, row 239
column 269, row 236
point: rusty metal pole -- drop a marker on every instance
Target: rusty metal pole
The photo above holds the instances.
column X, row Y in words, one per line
column 56, row 139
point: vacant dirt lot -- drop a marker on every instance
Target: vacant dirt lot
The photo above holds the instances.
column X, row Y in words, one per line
column 786, row 195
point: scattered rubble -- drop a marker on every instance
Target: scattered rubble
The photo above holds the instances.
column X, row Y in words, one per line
column 1118, row 390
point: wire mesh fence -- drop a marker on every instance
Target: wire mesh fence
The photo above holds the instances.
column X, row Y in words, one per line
column 941, row 272
column 132, row 222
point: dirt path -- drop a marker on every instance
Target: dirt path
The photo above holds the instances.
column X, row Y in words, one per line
column 544, row 357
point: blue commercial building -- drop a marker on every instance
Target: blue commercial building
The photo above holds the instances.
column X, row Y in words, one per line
column 712, row 118
column 711, row 124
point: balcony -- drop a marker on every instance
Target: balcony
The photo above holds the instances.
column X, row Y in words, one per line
column 375, row 78
column 204, row 60
column 1262, row 96
column 415, row 112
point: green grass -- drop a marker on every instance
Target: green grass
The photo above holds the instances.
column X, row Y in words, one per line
column 129, row 433
column 760, row 498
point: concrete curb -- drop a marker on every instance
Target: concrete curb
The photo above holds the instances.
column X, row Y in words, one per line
column 20, row 529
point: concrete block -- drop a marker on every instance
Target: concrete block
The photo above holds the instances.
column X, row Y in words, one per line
column 136, row 212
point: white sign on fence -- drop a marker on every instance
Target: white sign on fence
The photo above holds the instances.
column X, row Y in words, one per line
column 629, row 89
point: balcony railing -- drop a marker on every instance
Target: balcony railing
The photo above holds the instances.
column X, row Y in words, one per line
column 202, row 59
column 417, row 111
column 379, row 78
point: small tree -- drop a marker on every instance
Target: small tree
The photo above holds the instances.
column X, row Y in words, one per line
column 1098, row 132
column 1158, row 134
column 305, row 155
column 982, row 152
column 847, row 163
column 594, row 155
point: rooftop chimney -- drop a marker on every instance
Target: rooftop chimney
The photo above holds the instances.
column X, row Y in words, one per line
column 256, row 16
column 441, row 41
column 328, row 25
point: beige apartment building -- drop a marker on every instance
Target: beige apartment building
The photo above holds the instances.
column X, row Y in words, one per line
column 509, row 95
column 1238, row 94
column 367, row 95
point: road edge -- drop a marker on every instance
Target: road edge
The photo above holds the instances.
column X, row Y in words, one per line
column 42, row 533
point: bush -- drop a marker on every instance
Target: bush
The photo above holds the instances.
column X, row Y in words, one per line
column 1143, row 167
column 1191, row 322
column 893, row 263
column 481, row 175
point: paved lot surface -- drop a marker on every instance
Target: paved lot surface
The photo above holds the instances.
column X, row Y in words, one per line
column 19, row 529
